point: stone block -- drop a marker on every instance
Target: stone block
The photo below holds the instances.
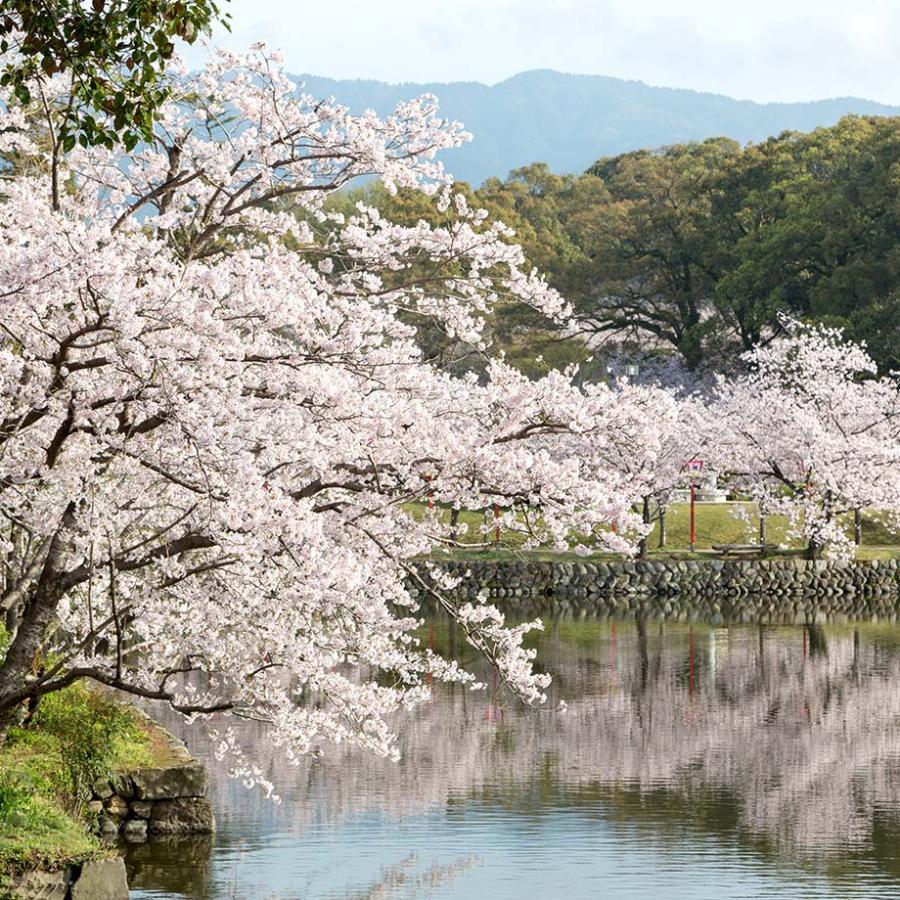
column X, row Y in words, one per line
column 108, row 827
column 102, row 789
column 116, row 806
column 167, row 784
column 40, row 885
column 102, row 879
column 142, row 808
column 184, row 815
column 123, row 785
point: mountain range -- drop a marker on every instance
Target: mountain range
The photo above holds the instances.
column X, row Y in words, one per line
column 569, row 121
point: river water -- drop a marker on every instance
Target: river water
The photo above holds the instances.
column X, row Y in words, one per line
column 695, row 762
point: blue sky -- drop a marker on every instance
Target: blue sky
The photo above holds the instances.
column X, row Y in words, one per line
column 760, row 50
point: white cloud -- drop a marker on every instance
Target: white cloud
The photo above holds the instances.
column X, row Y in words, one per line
column 764, row 50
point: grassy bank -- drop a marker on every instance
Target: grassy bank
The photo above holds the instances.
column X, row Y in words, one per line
column 715, row 523
column 47, row 767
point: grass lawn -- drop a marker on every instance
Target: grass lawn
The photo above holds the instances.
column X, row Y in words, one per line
column 715, row 523
column 47, row 768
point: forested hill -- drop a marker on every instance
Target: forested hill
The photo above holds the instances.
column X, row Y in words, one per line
column 568, row 121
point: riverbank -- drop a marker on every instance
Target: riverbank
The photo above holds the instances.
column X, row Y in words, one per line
column 714, row 523
column 47, row 768
column 82, row 773
column 769, row 590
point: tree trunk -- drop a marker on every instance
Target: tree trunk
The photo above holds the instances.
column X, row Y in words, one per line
column 814, row 550
column 857, row 526
column 37, row 615
column 454, row 523
column 662, row 527
column 762, row 533
column 642, row 549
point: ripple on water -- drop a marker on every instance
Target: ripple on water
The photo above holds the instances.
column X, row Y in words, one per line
column 693, row 763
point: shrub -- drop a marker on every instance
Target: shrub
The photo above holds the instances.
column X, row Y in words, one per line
column 90, row 728
column 15, row 799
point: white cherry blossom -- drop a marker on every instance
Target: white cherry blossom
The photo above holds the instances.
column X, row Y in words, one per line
column 215, row 418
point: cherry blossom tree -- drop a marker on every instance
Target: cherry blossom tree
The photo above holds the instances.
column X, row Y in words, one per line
column 812, row 432
column 676, row 421
column 214, row 418
column 625, row 434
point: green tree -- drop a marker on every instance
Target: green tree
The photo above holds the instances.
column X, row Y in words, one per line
column 113, row 54
column 693, row 250
column 654, row 252
column 815, row 229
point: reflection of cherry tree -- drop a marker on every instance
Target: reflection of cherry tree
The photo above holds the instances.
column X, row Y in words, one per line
column 405, row 879
column 798, row 731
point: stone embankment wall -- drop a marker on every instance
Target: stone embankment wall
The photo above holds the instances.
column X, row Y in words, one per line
column 169, row 799
column 717, row 590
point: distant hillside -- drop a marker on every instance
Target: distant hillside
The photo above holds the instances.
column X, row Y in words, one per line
column 569, row 121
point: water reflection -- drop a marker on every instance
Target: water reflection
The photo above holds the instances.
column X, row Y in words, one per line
column 692, row 762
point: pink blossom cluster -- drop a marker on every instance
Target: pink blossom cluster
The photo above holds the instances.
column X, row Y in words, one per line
column 216, row 422
column 812, row 432
column 215, row 418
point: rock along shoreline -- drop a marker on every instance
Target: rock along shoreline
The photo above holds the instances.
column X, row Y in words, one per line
column 781, row 590
column 164, row 800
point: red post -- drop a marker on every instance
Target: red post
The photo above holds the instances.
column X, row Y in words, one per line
column 693, row 516
column 693, row 465
column 496, row 523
